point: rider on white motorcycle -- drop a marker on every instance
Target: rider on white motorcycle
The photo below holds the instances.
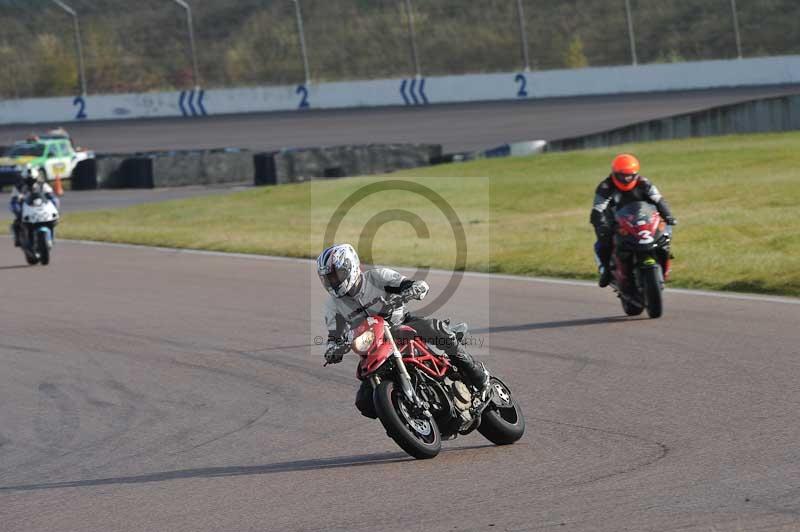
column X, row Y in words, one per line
column 356, row 294
column 28, row 183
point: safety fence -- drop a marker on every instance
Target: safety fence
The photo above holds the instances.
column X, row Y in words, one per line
column 79, row 47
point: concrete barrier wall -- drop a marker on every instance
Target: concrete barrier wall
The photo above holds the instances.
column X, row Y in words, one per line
column 757, row 116
column 423, row 91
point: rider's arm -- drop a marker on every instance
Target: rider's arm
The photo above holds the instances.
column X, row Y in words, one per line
column 18, row 191
column 395, row 283
column 655, row 197
column 603, row 196
column 47, row 190
column 54, row 199
column 392, row 282
column 337, row 344
column 334, row 323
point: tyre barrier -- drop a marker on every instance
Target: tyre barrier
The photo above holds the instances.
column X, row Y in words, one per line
column 174, row 168
column 289, row 166
column 84, row 177
column 233, row 165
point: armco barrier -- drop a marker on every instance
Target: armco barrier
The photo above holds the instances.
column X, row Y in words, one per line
column 288, row 166
column 757, row 116
column 409, row 92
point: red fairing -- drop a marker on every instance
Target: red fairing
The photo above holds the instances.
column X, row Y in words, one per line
column 628, row 226
column 378, row 352
column 412, row 348
column 646, row 232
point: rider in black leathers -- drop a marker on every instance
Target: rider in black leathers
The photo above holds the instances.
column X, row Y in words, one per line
column 624, row 185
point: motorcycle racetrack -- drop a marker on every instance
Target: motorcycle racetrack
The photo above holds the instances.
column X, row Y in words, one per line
column 146, row 389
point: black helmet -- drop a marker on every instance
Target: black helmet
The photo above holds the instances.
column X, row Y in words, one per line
column 29, row 176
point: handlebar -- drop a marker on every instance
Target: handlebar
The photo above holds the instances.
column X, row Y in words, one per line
column 391, row 303
column 395, row 301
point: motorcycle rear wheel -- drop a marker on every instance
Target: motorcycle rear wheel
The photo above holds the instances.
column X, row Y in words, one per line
column 652, row 285
column 419, row 437
column 502, row 423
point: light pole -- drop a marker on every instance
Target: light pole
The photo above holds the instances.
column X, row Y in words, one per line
column 302, row 33
column 78, row 47
column 630, row 32
column 195, row 74
column 413, row 38
column 736, row 29
column 523, row 34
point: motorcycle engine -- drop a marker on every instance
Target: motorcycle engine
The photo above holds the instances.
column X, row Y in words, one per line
column 462, row 400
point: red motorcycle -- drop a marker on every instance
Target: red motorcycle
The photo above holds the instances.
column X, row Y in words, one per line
column 641, row 260
column 420, row 397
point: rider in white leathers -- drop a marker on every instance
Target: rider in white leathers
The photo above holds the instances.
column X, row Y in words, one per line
column 356, row 294
column 27, row 184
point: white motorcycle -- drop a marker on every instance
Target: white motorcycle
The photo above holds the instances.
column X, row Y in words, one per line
column 39, row 218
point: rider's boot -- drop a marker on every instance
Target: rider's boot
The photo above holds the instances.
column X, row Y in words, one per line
column 475, row 371
column 602, row 254
column 483, row 382
column 15, row 231
column 605, row 275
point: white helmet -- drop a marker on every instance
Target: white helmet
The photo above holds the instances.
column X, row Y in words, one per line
column 339, row 269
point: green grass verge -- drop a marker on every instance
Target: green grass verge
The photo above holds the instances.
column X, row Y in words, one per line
column 736, row 199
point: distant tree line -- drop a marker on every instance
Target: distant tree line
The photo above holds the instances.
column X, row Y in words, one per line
column 142, row 46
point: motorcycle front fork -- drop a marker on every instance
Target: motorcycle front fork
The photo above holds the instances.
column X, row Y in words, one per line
column 405, row 378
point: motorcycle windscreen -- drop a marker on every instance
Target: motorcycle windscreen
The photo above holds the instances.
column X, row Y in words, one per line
column 635, row 211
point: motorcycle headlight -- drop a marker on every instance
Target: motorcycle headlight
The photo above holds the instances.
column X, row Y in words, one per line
column 363, row 342
column 37, row 202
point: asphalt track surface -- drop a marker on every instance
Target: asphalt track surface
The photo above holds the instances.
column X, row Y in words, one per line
column 459, row 127
column 146, row 389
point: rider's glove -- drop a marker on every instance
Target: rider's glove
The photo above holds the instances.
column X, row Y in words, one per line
column 418, row 290
column 671, row 221
column 335, row 352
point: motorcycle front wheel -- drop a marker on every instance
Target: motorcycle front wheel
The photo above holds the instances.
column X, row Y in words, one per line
column 652, row 285
column 502, row 422
column 31, row 258
column 44, row 249
column 415, row 434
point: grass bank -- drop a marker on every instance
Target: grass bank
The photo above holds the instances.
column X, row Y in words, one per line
column 736, row 199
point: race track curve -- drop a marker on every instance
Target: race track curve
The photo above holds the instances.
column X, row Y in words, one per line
column 146, row 389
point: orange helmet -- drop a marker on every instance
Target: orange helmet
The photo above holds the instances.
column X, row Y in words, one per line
column 625, row 171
